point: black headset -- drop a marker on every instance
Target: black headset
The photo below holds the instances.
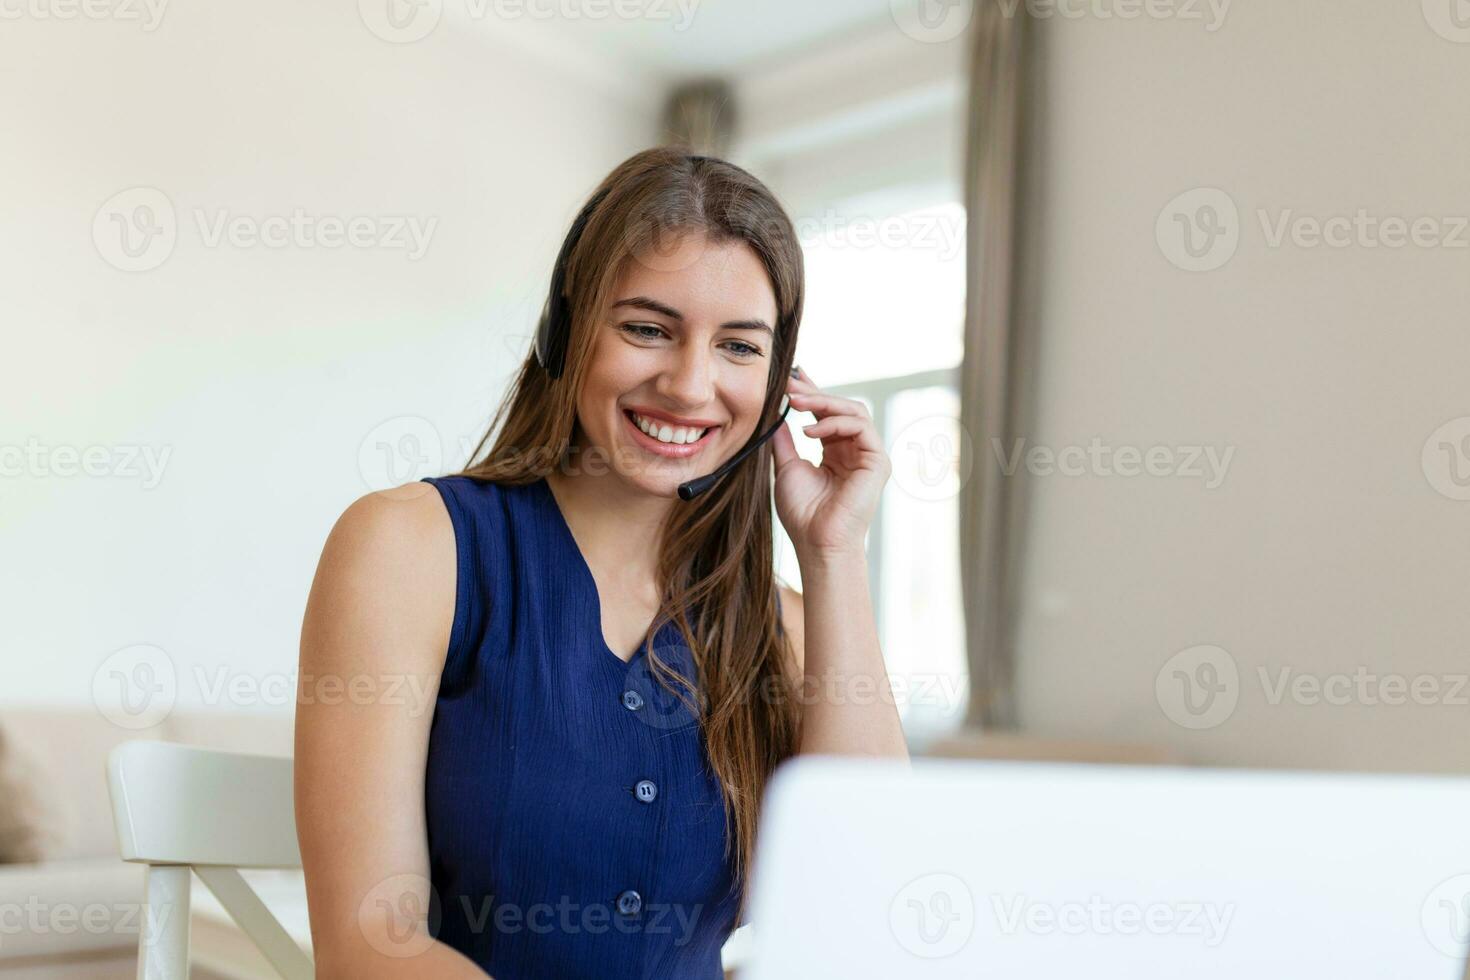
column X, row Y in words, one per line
column 554, row 332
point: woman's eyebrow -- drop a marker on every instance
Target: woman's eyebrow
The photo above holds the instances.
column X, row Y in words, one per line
column 654, row 306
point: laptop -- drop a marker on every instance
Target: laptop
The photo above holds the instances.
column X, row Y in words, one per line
column 965, row 869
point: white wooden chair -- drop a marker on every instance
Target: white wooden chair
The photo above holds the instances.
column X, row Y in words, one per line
column 179, row 809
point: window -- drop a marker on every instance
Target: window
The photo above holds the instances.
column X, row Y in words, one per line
column 883, row 324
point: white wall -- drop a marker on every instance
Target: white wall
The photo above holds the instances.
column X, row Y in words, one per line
column 259, row 371
column 1327, row 550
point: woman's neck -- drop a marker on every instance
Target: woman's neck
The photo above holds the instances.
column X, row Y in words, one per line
column 618, row 527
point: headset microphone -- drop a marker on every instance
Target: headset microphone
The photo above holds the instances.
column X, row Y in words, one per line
column 695, row 487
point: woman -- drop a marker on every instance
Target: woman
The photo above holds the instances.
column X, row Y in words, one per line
column 609, row 674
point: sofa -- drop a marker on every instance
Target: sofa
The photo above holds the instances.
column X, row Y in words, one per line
column 69, row 906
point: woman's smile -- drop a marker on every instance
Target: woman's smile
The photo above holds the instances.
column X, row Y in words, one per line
column 664, row 439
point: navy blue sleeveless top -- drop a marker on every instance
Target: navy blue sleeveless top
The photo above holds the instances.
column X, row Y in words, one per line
column 575, row 828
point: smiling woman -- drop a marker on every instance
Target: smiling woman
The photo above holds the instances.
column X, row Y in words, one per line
column 614, row 664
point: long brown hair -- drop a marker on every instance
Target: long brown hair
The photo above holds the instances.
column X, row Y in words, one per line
column 717, row 554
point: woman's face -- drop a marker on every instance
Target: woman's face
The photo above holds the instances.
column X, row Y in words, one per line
column 679, row 363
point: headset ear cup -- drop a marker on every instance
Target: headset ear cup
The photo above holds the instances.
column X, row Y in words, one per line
column 540, row 345
column 550, row 348
column 553, row 334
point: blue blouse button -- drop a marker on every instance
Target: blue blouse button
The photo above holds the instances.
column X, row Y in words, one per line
column 645, row 790
column 632, row 700
column 630, row 902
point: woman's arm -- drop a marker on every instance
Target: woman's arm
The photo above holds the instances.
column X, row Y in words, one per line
column 847, row 702
column 372, row 648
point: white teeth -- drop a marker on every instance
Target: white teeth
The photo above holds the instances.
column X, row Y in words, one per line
column 678, row 435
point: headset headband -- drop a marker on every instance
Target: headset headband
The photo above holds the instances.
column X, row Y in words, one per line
column 554, row 332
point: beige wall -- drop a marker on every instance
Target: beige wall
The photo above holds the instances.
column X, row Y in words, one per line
column 1326, row 550
column 260, row 371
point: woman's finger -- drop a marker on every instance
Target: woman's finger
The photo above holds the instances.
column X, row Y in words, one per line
column 845, row 427
column 822, row 405
column 800, row 383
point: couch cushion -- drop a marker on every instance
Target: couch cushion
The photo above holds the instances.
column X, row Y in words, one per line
column 63, row 752
column 253, row 732
column 71, row 907
column 66, row 749
column 20, row 838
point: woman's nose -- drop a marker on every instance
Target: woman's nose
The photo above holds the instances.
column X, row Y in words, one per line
column 690, row 379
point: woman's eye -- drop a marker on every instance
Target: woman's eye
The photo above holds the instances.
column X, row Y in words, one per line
column 647, row 331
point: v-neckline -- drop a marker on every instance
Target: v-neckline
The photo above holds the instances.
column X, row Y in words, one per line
column 591, row 580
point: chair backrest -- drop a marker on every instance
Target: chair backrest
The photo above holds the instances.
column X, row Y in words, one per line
column 177, row 808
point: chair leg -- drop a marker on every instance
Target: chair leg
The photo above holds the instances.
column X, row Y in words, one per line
column 163, row 940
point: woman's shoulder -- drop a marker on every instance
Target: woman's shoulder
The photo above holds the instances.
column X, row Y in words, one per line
column 385, row 584
column 389, row 523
